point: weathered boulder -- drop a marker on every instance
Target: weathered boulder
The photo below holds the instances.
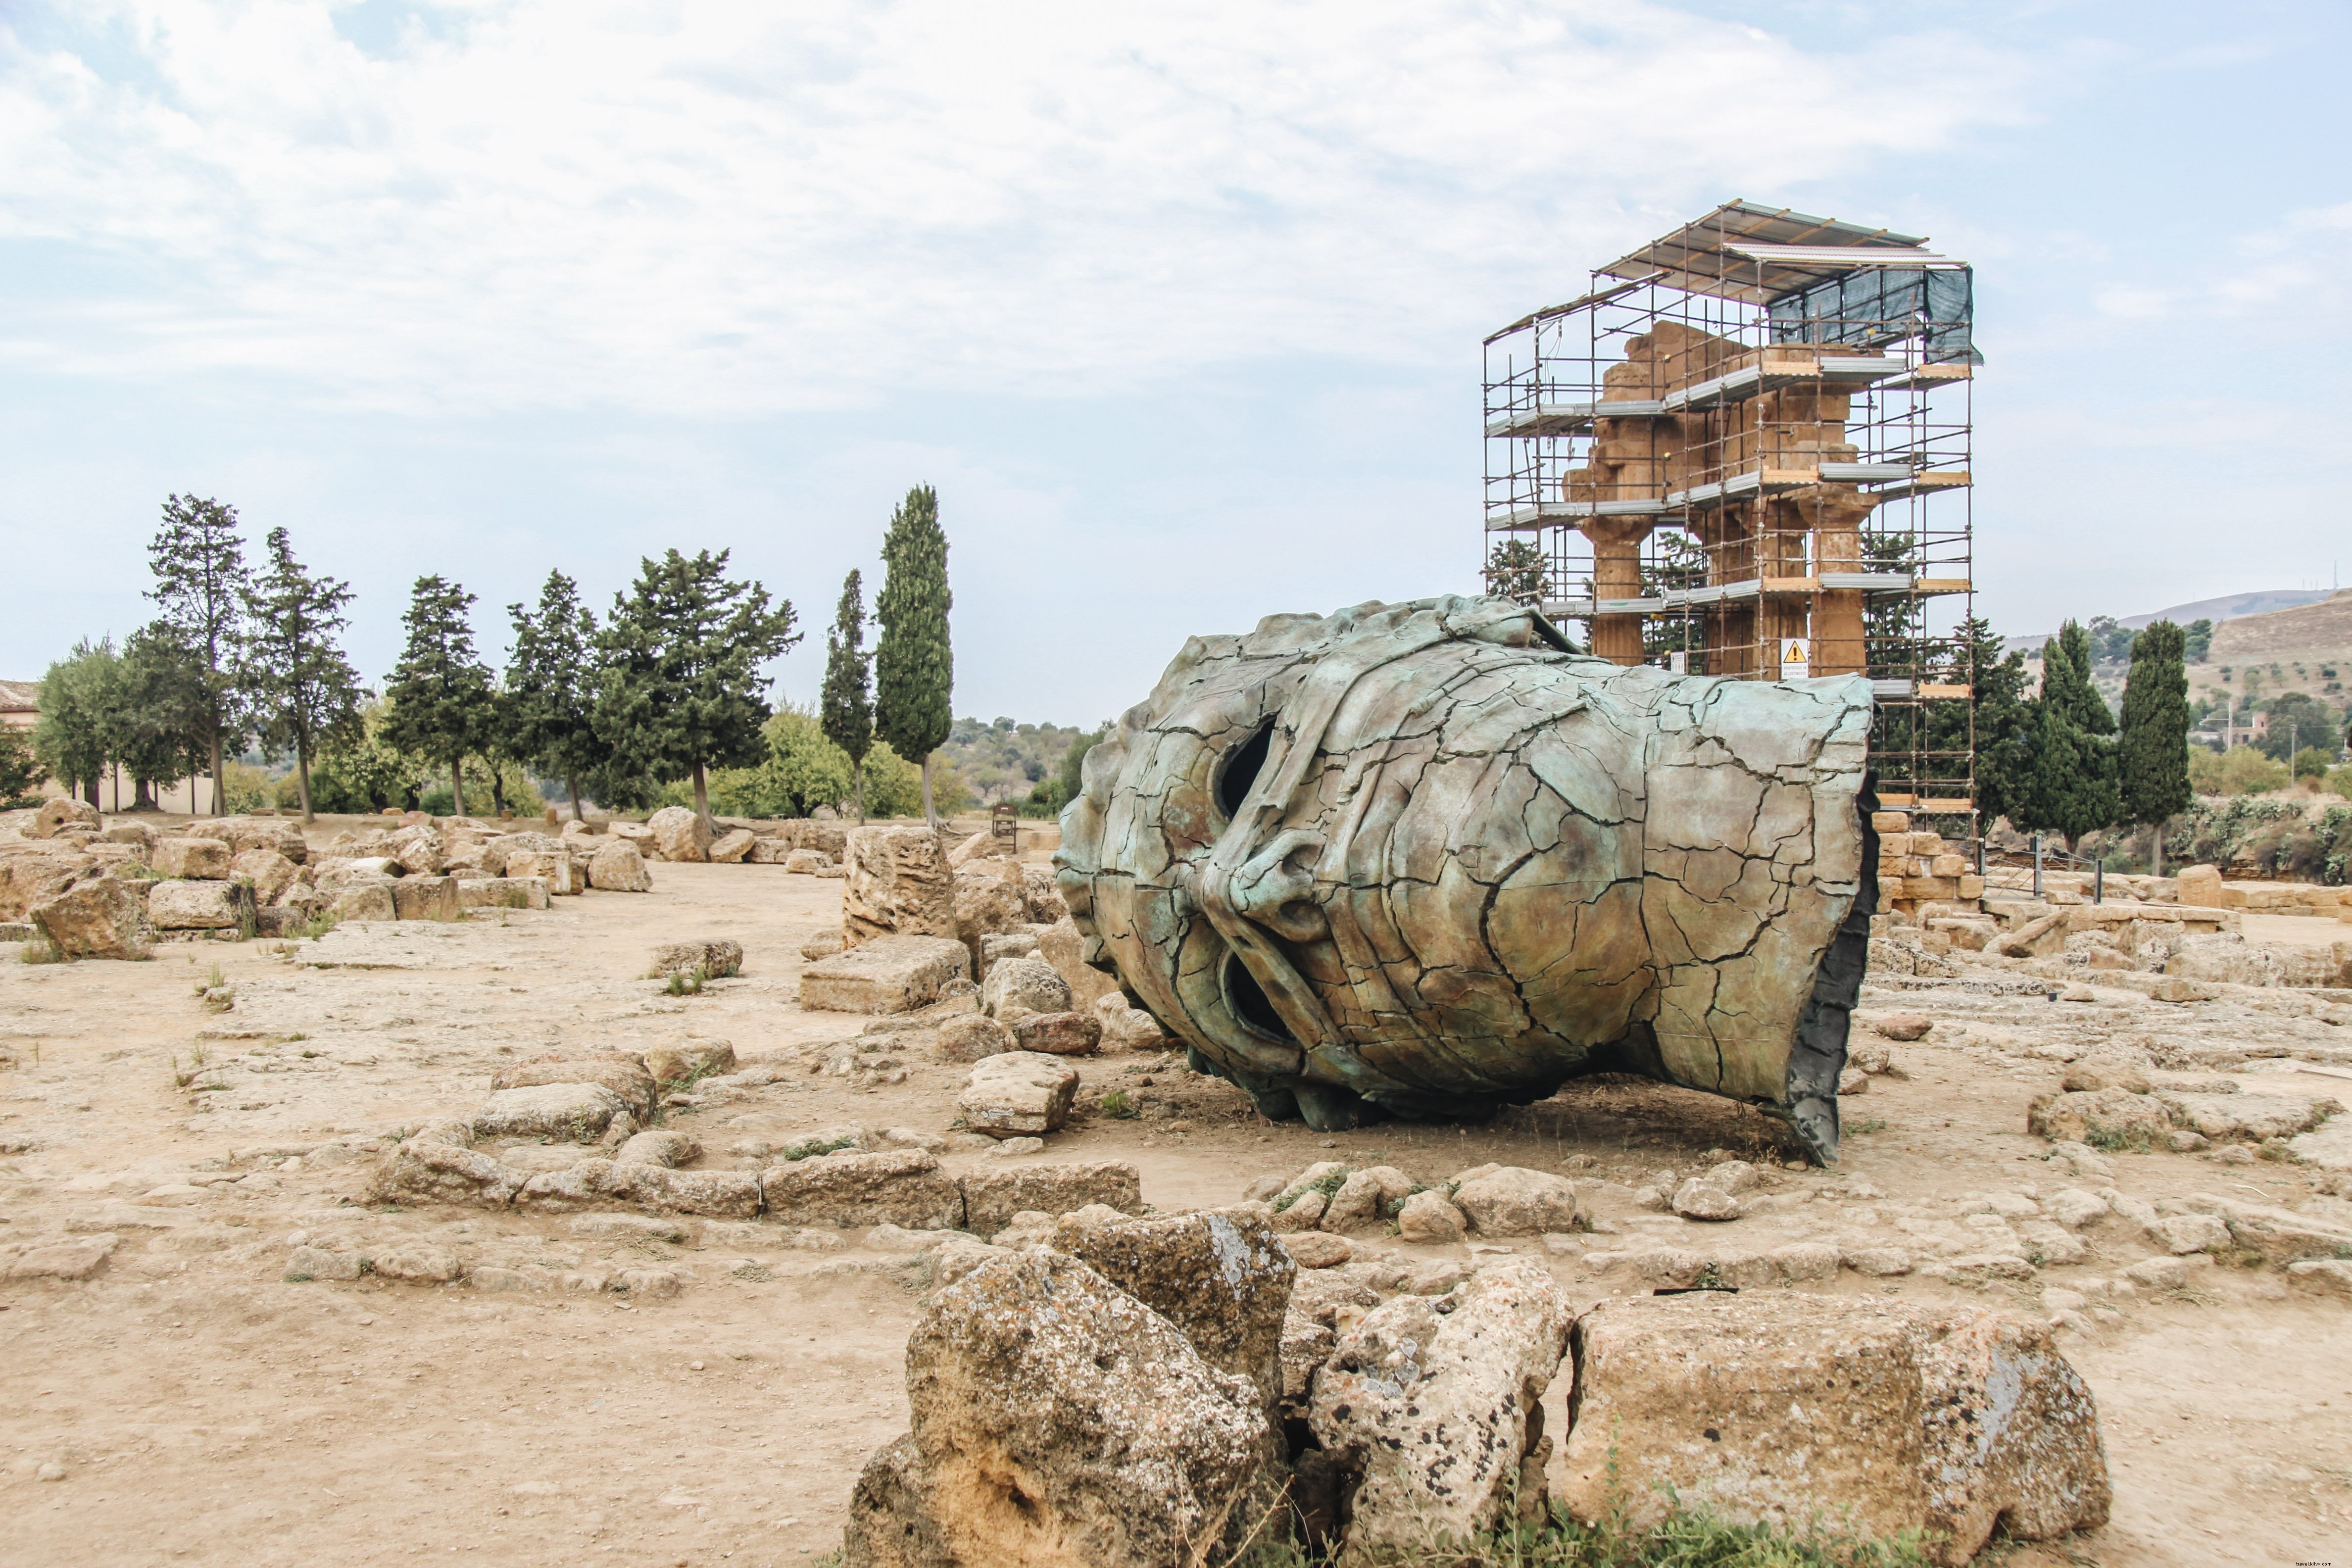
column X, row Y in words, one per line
column 801, row 862
column 1059, row 1421
column 1018, row 1094
column 970, row 1038
column 729, row 847
column 138, row 835
column 60, row 812
column 2107, row 1116
column 1429, row 1218
column 1222, row 1276
column 671, row 1149
column 554, row 867
column 97, row 917
column 438, row 1163
column 990, row 899
column 1053, row 1033
column 417, row 850
column 714, row 958
column 1046, row 905
column 2247, row 1118
column 1767, row 1408
column 689, row 1060
column 885, row 974
column 904, row 1187
column 618, row 868
column 199, row 906
column 269, row 872
column 1367, row 1197
column 1061, row 946
column 578, row 1112
column 427, row 897
column 32, row 872
column 243, row 833
column 624, row 1075
column 1026, row 983
column 1510, row 1200
column 991, row 1198
column 198, row 858
column 898, row 883
column 1317, row 1249
column 1439, row 1412
column 1128, row 1028
column 676, row 833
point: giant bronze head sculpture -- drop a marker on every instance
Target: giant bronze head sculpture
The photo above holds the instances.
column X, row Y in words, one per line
column 1421, row 859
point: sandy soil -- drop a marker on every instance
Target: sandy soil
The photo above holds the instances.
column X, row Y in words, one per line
column 194, row 1406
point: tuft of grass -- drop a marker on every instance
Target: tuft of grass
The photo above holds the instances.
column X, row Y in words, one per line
column 2115, row 1142
column 1868, row 1125
column 1118, row 1107
column 42, row 949
column 1328, row 1186
column 688, row 984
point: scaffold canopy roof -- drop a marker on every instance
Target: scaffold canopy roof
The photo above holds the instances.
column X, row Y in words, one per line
column 1759, row 254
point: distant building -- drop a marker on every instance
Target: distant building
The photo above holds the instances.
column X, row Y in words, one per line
column 20, row 703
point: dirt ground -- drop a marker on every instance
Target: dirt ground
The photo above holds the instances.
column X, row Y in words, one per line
column 188, row 1403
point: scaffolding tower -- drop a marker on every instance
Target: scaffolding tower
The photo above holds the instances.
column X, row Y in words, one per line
column 1745, row 452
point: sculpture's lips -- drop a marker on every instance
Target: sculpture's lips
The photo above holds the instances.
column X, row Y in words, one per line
column 1418, row 857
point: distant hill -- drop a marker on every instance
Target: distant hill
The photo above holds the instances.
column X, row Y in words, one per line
column 2228, row 607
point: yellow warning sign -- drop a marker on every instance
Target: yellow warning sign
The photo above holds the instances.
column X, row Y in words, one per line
column 1796, row 661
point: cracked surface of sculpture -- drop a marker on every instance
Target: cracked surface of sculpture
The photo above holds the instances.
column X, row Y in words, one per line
column 1420, row 859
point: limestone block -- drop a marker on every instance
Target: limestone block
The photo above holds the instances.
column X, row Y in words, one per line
column 1126, row 1028
column 805, row 862
column 199, row 906
column 1053, row 1033
column 898, row 883
column 618, row 868
column 197, row 859
column 552, row 867
column 729, row 847
column 1510, row 1200
column 993, row 1197
column 269, row 872
column 676, row 833
column 2200, row 886
column 689, row 1060
column 30, row 873
column 578, row 1112
column 624, row 1074
column 1057, row 1419
column 2108, row 1115
column 970, row 1038
column 1046, row 905
column 438, row 1163
column 1779, row 1408
column 904, row 1187
column 1428, row 1217
column 1018, row 1094
column 1439, row 1412
column 991, row 899
column 365, row 899
column 885, row 974
column 1027, row 985
column 713, row 958
column 422, row 898
column 501, row 893
column 97, row 917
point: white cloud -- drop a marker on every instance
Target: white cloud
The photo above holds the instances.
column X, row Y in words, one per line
column 712, row 209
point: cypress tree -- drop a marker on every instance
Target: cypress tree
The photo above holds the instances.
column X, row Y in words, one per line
column 914, row 668
column 680, row 689
column 2001, row 721
column 2074, row 776
column 846, row 708
column 551, row 685
column 2153, row 751
column 306, row 692
column 199, row 584
column 440, row 693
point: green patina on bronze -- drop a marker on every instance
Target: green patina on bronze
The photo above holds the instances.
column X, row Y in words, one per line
column 1420, row 857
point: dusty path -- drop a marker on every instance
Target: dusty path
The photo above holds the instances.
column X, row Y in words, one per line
column 198, row 1407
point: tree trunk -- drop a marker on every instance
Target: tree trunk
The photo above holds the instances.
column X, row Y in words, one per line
column 89, row 793
column 702, row 801
column 457, row 786
column 220, row 804
column 143, row 794
column 2159, row 857
column 302, row 781
column 572, row 786
column 930, row 812
column 499, row 792
column 857, row 774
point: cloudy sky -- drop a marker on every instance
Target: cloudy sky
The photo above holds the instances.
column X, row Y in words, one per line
column 1178, row 305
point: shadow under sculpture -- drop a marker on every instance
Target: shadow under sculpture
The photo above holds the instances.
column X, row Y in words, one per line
column 1422, row 861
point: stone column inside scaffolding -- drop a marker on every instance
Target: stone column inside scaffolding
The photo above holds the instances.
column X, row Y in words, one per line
column 1731, row 547
column 1840, row 646
column 1617, row 574
column 1783, row 612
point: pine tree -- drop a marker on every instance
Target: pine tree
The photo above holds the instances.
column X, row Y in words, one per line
column 440, row 694
column 2153, row 751
column 165, row 710
column 200, row 582
column 305, row 693
column 914, row 667
column 847, row 704
column 680, row 686
column 2001, row 724
column 551, row 684
column 1516, row 570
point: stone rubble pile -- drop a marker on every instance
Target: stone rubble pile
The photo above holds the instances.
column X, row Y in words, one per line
column 1120, row 1392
